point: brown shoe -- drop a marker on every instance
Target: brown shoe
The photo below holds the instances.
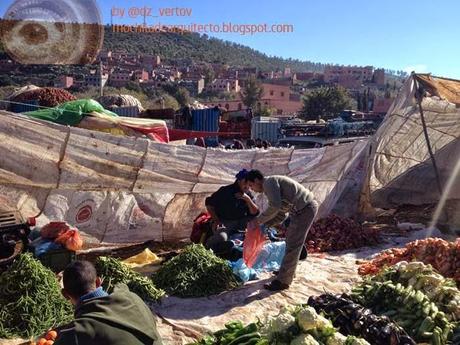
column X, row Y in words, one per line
column 276, row 285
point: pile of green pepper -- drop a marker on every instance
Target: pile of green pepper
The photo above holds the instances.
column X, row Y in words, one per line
column 113, row 271
column 196, row 272
column 30, row 300
column 235, row 333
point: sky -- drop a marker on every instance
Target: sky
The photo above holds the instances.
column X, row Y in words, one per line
column 420, row 35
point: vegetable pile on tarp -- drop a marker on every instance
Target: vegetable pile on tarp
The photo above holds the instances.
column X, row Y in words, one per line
column 196, row 272
column 30, row 300
column 443, row 292
column 444, row 256
column 235, row 333
column 113, row 272
column 46, row 97
column 301, row 325
column 354, row 319
column 408, row 307
column 334, row 233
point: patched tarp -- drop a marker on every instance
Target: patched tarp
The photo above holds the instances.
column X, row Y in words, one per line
column 122, row 189
column 401, row 170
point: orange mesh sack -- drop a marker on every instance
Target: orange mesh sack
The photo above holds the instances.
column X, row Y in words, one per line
column 253, row 243
column 71, row 240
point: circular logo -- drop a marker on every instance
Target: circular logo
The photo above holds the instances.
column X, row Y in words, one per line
column 84, row 214
column 52, row 32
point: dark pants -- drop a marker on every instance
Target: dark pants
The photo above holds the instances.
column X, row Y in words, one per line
column 221, row 239
column 296, row 235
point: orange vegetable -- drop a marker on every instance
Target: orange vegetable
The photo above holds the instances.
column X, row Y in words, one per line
column 41, row 341
column 49, row 342
column 51, row 335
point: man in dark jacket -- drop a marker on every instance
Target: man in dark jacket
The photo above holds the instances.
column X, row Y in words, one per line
column 120, row 318
column 232, row 207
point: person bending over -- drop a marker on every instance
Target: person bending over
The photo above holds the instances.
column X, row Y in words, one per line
column 285, row 196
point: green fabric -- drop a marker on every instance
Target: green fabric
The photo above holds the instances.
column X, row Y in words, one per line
column 119, row 319
column 70, row 113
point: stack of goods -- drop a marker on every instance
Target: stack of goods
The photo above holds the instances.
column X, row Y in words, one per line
column 334, row 233
column 409, row 308
column 294, row 326
column 30, row 300
column 352, row 318
column 113, row 101
column 113, row 272
column 55, row 236
column 444, row 256
column 46, row 97
column 196, row 272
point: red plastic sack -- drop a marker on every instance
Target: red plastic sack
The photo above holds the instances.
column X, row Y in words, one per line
column 201, row 228
column 71, row 240
column 253, row 243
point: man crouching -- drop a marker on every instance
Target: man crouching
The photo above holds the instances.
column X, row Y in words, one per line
column 120, row 318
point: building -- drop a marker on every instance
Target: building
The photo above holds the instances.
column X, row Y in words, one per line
column 63, row 82
column 332, row 74
column 224, row 85
column 379, row 77
column 382, row 105
column 120, row 78
column 278, row 97
column 94, row 79
column 194, row 86
column 141, row 76
column 150, row 62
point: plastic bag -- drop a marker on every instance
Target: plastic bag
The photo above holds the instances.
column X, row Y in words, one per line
column 253, row 243
column 243, row 272
column 71, row 239
column 270, row 257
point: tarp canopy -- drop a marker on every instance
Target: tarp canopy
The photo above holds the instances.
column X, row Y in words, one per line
column 122, row 189
column 401, row 169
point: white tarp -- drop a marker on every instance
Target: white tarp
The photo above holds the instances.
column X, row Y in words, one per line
column 400, row 169
column 128, row 190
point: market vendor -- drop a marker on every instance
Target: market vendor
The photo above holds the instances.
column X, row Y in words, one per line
column 285, row 196
column 117, row 319
column 231, row 207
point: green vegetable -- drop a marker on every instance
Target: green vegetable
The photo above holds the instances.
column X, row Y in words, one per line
column 196, row 272
column 30, row 300
column 113, row 272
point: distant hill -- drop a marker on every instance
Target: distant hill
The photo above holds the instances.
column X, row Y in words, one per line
column 201, row 48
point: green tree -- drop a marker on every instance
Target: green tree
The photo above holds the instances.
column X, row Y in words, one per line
column 325, row 102
column 209, row 75
column 252, row 93
column 183, row 96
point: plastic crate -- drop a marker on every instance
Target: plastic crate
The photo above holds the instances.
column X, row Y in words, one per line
column 57, row 260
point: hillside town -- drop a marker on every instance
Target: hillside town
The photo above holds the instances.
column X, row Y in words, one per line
column 178, row 188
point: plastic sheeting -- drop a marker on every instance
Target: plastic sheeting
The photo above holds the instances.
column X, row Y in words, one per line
column 400, row 168
column 129, row 190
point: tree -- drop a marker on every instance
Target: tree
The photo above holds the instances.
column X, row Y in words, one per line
column 252, row 93
column 325, row 102
column 183, row 96
column 209, row 75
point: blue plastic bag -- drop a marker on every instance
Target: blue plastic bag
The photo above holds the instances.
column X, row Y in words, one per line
column 270, row 257
column 244, row 272
column 44, row 246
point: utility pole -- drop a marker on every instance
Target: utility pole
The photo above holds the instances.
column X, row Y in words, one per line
column 101, row 74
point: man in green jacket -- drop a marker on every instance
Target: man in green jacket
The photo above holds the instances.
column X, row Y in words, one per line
column 120, row 318
column 285, row 196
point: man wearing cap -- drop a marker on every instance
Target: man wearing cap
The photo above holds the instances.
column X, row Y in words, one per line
column 232, row 207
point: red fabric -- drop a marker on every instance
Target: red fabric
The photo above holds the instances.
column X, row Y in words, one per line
column 156, row 133
column 182, row 134
column 200, row 228
column 253, row 243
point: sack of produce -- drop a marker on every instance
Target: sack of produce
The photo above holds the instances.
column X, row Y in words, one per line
column 53, row 230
